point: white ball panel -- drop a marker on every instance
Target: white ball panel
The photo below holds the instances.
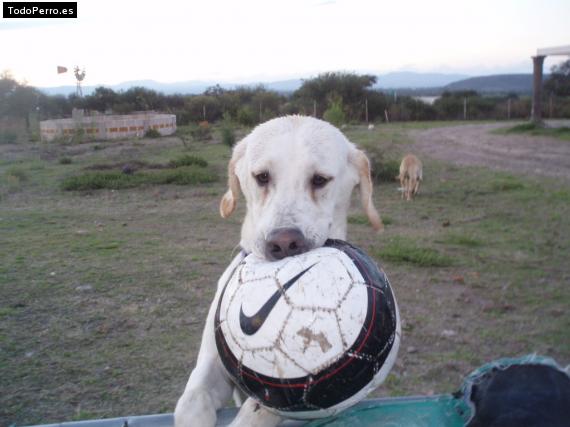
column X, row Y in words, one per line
column 352, row 312
column 249, row 291
column 285, row 367
column 312, row 339
column 326, row 282
column 264, row 340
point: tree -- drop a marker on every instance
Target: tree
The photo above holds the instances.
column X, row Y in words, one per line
column 140, row 99
column 17, row 100
column 197, row 105
column 377, row 103
column 351, row 88
column 266, row 103
column 102, row 99
column 54, row 107
column 7, row 87
column 215, row 90
column 559, row 81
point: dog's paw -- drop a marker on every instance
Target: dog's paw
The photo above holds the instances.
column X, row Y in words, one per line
column 252, row 414
column 195, row 408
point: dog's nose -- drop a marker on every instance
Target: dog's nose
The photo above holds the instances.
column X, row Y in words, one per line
column 284, row 242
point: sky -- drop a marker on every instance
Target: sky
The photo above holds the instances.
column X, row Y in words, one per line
column 244, row 41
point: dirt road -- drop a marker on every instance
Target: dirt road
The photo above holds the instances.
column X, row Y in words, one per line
column 476, row 145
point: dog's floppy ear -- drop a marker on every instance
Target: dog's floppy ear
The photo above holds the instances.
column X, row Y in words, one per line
column 229, row 201
column 359, row 160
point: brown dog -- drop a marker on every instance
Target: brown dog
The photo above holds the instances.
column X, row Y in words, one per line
column 410, row 176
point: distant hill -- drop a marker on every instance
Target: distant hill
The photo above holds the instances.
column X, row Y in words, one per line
column 191, row 87
column 409, row 80
column 404, row 82
column 495, row 84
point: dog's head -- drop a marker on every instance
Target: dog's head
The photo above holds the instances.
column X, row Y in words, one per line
column 296, row 174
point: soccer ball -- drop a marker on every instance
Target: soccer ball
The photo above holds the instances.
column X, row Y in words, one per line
column 309, row 335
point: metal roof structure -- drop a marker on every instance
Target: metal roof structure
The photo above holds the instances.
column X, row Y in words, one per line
column 554, row 51
column 538, row 60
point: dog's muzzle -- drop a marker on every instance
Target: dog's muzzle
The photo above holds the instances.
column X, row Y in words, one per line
column 284, row 242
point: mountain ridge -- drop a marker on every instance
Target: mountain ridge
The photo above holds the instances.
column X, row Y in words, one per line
column 403, row 80
column 391, row 80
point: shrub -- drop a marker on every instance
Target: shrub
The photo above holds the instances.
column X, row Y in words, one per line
column 185, row 175
column 8, row 138
column 183, row 118
column 35, row 136
column 77, row 137
column 462, row 240
column 246, row 116
column 507, row 183
column 98, row 180
column 524, row 127
column 202, row 132
column 17, row 173
column 363, row 220
column 188, row 160
column 228, row 136
column 152, row 133
column 382, row 169
column 334, row 113
column 290, row 108
column 227, row 132
column 65, row 161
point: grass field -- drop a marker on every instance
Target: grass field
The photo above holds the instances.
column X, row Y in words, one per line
column 536, row 130
column 103, row 293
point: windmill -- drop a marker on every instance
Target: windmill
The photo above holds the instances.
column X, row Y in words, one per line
column 79, row 76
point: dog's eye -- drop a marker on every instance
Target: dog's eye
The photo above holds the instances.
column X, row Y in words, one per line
column 319, row 181
column 262, row 178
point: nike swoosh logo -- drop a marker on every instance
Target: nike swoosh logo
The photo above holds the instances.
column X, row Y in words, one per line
column 251, row 324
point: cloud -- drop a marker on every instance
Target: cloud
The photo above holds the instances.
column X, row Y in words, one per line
column 325, row 3
column 28, row 24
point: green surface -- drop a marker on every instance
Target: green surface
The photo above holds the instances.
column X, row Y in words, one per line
column 441, row 411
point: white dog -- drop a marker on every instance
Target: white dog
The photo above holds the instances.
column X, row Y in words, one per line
column 296, row 174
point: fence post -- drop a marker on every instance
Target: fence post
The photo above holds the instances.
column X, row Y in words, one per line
column 465, row 108
column 315, row 108
column 366, row 108
column 509, row 109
